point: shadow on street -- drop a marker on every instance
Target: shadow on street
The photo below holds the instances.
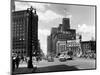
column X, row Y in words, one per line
column 54, row 68
column 57, row 68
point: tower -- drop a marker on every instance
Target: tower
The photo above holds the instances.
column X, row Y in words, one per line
column 66, row 24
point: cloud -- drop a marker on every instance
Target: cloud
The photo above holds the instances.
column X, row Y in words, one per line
column 25, row 5
column 87, row 31
column 41, row 7
column 69, row 16
column 44, row 32
column 48, row 16
column 44, row 14
column 86, row 28
column 21, row 6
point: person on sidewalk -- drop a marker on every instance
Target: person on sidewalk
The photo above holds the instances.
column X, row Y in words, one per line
column 13, row 63
column 17, row 61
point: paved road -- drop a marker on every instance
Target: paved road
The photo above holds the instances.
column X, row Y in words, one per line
column 78, row 62
column 45, row 66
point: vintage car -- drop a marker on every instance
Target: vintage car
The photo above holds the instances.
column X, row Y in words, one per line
column 63, row 58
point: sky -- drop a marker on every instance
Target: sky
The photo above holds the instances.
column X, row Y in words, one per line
column 82, row 18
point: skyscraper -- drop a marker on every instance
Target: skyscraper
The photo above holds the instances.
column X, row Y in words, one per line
column 24, row 32
column 59, row 36
column 66, row 24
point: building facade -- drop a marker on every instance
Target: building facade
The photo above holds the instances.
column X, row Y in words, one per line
column 88, row 48
column 66, row 24
column 75, row 47
column 59, row 36
column 49, row 45
column 24, row 30
column 61, row 47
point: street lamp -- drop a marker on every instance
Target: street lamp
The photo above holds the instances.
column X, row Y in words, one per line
column 30, row 65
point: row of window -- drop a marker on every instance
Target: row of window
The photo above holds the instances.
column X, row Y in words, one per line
column 18, row 52
column 18, row 47
column 73, row 44
column 19, row 20
column 20, row 42
column 18, row 30
column 86, row 46
column 70, row 36
column 18, row 39
column 19, row 35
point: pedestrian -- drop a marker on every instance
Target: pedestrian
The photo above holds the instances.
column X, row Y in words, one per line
column 22, row 59
column 26, row 59
column 37, row 59
column 17, row 61
column 13, row 63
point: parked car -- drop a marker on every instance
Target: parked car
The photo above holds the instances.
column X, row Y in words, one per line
column 64, row 58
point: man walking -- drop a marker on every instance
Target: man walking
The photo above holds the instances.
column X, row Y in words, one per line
column 17, row 61
column 13, row 63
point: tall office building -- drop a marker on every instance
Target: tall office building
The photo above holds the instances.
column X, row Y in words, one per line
column 66, row 24
column 59, row 36
column 49, row 45
column 24, row 30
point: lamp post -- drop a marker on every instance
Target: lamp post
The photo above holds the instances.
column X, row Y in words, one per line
column 30, row 10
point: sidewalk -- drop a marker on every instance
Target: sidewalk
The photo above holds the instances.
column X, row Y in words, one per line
column 23, row 70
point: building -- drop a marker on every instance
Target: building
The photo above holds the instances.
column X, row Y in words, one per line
column 88, row 48
column 24, row 30
column 49, row 45
column 58, row 38
column 61, row 47
column 75, row 47
column 66, row 24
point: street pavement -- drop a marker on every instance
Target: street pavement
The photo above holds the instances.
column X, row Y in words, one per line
column 78, row 62
column 69, row 65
